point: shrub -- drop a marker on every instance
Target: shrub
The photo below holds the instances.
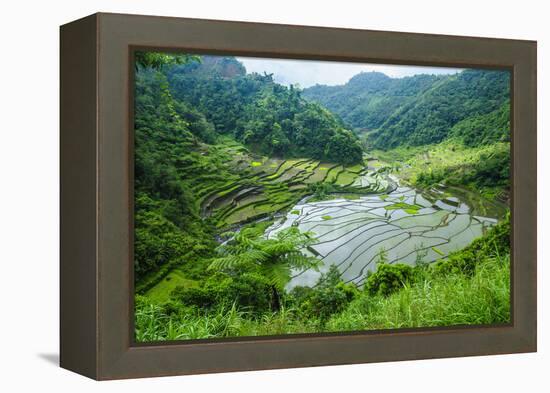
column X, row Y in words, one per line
column 249, row 290
column 329, row 297
column 446, row 300
column 462, row 262
column 321, row 190
column 388, row 278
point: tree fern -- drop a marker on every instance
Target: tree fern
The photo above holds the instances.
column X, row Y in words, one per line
column 275, row 258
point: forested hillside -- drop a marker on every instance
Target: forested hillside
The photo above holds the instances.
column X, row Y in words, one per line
column 472, row 105
column 187, row 117
column 258, row 211
column 369, row 98
column 270, row 118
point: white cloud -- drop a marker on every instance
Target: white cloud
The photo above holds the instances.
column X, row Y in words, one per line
column 309, row 72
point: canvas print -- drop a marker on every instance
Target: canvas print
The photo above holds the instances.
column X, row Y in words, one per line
column 281, row 196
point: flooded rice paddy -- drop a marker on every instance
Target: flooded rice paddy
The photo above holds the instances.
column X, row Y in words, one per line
column 404, row 225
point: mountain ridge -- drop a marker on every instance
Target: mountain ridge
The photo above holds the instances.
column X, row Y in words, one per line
column 415, row 110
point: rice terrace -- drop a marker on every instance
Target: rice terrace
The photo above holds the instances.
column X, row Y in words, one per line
column 263, row 207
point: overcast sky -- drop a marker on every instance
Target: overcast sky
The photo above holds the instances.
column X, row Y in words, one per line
column 308, row 72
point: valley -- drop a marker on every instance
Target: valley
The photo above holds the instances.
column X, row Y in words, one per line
column 264, row 209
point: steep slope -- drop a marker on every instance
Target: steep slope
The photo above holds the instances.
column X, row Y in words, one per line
column 369, row 98
column 431, row 116
column 267, row 117
column 191, row 176
column 422, row 109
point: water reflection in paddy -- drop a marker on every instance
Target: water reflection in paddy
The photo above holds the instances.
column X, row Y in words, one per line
column 403, row 224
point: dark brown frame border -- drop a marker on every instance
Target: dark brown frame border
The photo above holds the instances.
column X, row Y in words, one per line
column 96, row 175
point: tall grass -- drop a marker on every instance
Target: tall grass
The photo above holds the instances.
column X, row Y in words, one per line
column 453, row 299
column 432, row 299
column 153, row 324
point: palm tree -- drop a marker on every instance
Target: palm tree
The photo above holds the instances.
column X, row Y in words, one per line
column 274, row 258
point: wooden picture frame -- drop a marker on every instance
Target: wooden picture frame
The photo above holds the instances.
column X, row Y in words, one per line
column 97, row 201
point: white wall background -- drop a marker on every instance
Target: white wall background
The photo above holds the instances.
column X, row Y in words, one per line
column 29, row 194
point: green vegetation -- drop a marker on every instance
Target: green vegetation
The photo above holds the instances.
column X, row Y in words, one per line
column 422, row 109
column 221, row 156
column 472, row 286
column 402, row 205
column 260, row 113
column 454, row 299
column 484, row 129
column 272, row 259
column 452, row 130
column 484, row 169
column 488, row 171
column 188, row 165
column 369, row 98
column 389, row 278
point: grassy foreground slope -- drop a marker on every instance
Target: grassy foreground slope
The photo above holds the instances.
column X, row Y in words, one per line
column 471, row 286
